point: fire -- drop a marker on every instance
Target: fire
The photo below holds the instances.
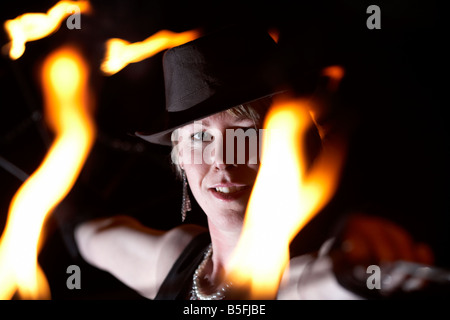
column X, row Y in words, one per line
column 34, row 26
column 285, row 197
column 67, row 104
column 120, row 53
column 274, row 34
column 335, row 75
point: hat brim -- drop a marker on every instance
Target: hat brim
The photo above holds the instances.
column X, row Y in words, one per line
column 216, row 104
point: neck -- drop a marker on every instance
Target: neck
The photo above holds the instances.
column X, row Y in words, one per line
column 223, row 244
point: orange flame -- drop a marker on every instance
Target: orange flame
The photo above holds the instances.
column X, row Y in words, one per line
column 67, row 100
column 285, row 197
column 119, row 53
column 274, row 34
column 34, row 26
column 335, row 75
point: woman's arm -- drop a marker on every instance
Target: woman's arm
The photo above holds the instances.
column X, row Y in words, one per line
column 138, row 256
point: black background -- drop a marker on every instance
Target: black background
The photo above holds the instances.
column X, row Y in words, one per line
column 392, row 98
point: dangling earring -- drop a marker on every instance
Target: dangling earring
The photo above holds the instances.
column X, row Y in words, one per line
column 186, row 202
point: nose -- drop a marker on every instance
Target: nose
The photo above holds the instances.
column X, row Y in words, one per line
column 223, row 166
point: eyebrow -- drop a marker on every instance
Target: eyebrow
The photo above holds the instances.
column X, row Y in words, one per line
column 206, row 122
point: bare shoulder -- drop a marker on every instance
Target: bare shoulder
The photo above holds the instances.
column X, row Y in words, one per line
column 172, row 244
column 179, row 237
column 139, row 256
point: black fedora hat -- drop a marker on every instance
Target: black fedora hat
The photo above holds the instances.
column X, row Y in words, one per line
column 213, row 73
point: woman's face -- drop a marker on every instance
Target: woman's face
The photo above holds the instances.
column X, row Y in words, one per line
column 219, row 175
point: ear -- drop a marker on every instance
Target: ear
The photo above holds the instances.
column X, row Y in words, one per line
column 177, row 155
column 180, row 157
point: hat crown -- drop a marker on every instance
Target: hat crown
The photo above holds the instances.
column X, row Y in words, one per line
column 218, row 64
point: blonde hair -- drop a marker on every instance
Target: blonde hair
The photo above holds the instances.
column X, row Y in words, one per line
column 254, row 111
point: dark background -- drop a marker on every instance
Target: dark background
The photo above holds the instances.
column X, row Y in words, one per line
column 391, row 100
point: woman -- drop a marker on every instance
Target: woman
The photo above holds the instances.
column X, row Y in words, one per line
column 213, row 84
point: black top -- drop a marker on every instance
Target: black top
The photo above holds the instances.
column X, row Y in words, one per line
column 178, row 283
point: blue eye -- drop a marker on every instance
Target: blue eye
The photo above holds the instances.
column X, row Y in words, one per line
column 201, row 136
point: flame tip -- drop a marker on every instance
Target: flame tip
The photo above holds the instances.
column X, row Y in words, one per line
column 120, row 53
column 37, row 25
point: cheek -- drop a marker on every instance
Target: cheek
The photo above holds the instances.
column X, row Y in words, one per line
column 251, row 172
column 195, row 174
column 190, row 154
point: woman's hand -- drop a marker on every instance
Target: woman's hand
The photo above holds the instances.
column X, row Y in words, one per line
column 374, row 240
column 384, row 246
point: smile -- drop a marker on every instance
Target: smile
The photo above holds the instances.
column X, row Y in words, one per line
column 230, row 189
column 230, row 192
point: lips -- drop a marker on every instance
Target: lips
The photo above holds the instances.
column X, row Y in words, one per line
column 229, row 191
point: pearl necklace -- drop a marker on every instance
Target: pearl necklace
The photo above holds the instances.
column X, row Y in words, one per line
column 196, row 293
